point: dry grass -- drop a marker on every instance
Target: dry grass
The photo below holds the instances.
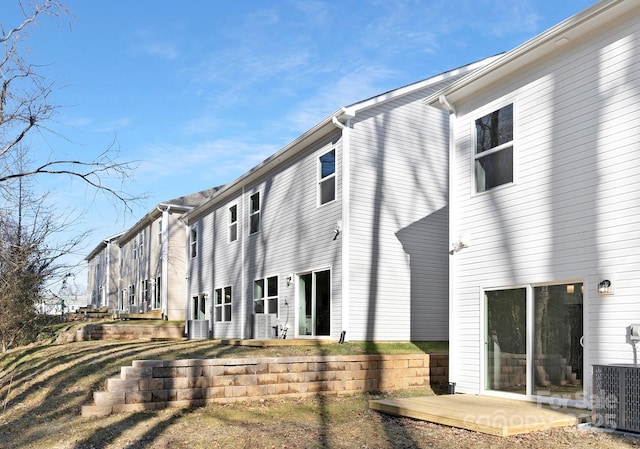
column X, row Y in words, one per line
column 43, row 387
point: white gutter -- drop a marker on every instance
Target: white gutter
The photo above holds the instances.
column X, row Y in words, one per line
column 571, row 29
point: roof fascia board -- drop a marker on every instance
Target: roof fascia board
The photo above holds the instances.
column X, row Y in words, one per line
column 319, row 131
column 322, row 129
column 400, row 92
column 536, row 48
column 153, row 214
column 102, row 245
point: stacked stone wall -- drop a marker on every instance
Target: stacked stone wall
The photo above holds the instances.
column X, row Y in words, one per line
column 155, row 384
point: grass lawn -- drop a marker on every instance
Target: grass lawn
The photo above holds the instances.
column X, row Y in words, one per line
column 42, row 388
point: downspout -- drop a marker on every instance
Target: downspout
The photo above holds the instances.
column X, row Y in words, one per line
column 187, row 230
column 243, row 274
column 345, row 228
column 164, row 261
column 108, row 274
column 454, row 343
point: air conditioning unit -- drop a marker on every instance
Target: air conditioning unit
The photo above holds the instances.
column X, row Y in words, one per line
column 197, row 329
column 263, row 325
column 616, row 397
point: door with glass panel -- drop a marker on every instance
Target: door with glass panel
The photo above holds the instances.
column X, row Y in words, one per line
column 314, row 300
column 533, row 341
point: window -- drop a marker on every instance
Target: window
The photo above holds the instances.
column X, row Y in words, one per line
column 494, row 149
column 141, row 244
column 132, row 294
column 265, row 300
column 160, row 232
column 327, row 177
column 254, row 213
column 222, row 305
column 145, row 290
column 135, row 249
column 233, row 223
column 157, row 294
column 193, row 243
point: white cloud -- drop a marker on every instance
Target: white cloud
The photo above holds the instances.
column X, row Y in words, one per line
column 165, row 50
column 220, row 160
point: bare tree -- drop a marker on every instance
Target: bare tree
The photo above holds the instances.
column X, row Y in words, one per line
column 31, row 250
column 30, row 257
column 25, row 108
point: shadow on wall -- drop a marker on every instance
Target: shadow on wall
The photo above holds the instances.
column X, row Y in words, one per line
column 426, row 243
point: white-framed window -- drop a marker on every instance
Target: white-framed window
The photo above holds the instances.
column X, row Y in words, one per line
column 135, row 249
column 145, row 290
column 222, row 305
column 327, row 177
column 157, row 294
column 141, row 242
column 159, row 228
column 265, row 295
column 254, row 213
column 233, row 223
column 132, row 294
column 494, row 135
column 193, row 243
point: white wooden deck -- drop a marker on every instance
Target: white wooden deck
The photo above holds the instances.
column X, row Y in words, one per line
column 495, row 416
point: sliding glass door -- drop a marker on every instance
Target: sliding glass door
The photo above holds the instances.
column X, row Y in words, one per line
column 533, row 341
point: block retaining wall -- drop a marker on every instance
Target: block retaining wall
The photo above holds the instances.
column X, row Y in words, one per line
column 128, row 332
column 155, row 384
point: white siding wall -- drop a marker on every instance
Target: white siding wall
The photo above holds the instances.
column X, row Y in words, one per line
column 220, row 265
column 574, row 210
column 149, row 265
column 295, row 236
column 399, row 222
column 175, row 283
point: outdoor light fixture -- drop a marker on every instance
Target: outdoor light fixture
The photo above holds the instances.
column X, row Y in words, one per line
column 605, row 287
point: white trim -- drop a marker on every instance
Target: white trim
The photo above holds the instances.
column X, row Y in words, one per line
column 485, row 110
column 345, row 234
column 333, row 176
column 540, row 46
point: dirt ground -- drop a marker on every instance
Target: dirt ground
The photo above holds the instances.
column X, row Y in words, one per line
column 43, row 387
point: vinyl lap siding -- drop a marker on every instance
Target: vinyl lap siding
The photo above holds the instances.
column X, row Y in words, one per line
column 295, row 236
column 399, row 222
column 574, row 211
column 176, row 283
column 220, row 265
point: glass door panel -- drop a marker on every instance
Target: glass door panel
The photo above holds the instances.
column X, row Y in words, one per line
column 305, row 303
column 314, row 301
column 506, row 341
column 558, row 330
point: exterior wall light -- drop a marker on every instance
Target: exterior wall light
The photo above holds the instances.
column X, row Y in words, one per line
column 605, row 287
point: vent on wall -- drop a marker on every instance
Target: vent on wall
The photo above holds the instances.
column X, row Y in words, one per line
column 198, row 329
column 616, row 397
column 263, row 325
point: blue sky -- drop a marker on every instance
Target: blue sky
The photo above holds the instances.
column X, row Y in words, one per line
column 200, row 91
